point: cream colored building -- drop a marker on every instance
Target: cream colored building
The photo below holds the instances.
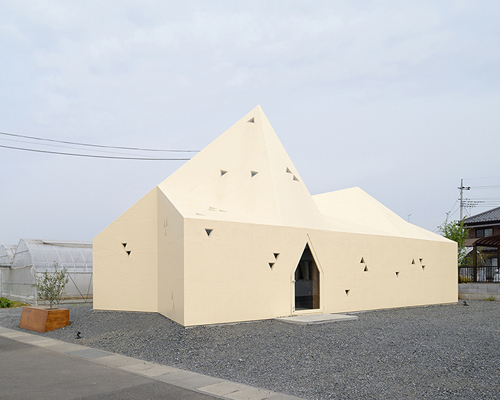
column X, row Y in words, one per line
column 234, row 235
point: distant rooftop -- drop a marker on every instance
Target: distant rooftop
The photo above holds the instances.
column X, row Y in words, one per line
column 487, row 216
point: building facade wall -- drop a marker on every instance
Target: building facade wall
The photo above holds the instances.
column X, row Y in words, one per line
column 228, row 277
column 126, row 260
column 170, row 260
column 473, row 234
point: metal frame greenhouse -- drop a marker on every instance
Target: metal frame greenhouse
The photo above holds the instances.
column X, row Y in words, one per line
column 33, row 257
column 6, row 256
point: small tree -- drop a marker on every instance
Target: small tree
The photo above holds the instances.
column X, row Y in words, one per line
column 50, row 285
column 456, row 231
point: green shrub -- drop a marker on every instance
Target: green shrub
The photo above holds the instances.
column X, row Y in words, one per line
column 5, row 303
column 491, row 298
column 50, row 285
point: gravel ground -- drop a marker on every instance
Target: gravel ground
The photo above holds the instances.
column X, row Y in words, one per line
column 435, row 352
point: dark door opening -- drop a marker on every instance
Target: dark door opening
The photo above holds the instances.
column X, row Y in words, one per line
column 306, row 282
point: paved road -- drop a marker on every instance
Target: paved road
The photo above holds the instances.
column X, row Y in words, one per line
column 35, row 367
column 30, row 372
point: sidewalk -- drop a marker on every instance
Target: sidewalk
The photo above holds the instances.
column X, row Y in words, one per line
column 32, row 366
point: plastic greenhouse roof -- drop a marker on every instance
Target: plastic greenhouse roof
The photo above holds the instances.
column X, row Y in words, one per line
column 44, row 254
column 7, row 254
column 61, row 243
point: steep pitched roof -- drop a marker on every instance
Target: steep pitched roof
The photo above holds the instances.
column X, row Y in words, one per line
column 244, row 175
column 487, row 216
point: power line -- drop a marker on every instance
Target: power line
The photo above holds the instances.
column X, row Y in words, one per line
column 483, row 177
column 486, row 187
column 462, row 188
column 97, row 145
column 95, row 156
column 483, row 199
column 72, row 147
column 483, row 202
column 451, row 212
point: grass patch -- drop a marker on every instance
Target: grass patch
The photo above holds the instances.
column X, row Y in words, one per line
column 491, row 298
column 6, row 303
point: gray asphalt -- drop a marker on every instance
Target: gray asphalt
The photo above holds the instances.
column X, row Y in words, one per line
column 31, row 372
column 37, row 367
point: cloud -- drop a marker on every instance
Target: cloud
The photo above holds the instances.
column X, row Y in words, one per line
column 369, row 93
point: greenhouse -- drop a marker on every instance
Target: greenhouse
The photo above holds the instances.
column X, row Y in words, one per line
column 33, row 257
column 6, row 256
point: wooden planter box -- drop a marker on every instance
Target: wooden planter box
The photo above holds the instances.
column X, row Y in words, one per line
column 43, row 319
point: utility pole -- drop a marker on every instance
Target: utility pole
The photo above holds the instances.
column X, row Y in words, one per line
column 462, row 188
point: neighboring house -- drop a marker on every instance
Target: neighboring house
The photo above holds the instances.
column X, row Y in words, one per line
column 482, row 226
column 484, row 238
column 234, row 235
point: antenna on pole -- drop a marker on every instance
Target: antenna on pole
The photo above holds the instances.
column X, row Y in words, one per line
column 462, row 188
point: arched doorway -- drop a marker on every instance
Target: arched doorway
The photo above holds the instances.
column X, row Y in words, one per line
column 306, row 282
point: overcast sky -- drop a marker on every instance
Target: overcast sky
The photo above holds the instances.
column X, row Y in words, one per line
column 400, row 98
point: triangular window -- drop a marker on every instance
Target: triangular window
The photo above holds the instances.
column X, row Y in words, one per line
column 208, row 231
column 222, row 172
column 253, row 173
column 252, row 120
